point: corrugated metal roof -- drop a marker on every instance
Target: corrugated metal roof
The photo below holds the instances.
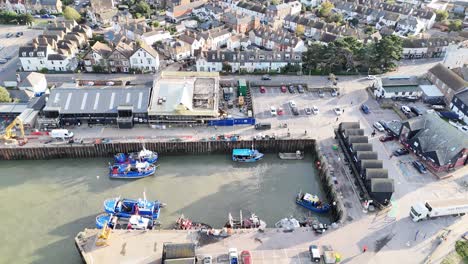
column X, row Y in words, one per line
column 98, row 100
column 382, row 185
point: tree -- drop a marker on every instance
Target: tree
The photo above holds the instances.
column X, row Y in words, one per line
column 71, row 14
column 98, row 69
column 325, row 9
column 461, row 247
column 354, row 22
column 335, row 18
column 26, row 19
column 274, row 2
column 143, row 8
column 455, row 25
column 67, row 2
column 370, row 30
column 227, row 67
column 388, row 50
column 44, row 70
column 4, row 95
column 155, row 24
column 441, row 15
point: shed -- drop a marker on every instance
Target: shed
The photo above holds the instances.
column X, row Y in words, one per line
column 382, row 190
column 371, row 164
column 366, row 155
column 178, row 251
column 375, row 174
column 357, row 139
column 348, row 125
column 354, row 132
column 361, row 147
column 430, row 93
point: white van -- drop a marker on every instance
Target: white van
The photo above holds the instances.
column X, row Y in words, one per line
column 61, row 134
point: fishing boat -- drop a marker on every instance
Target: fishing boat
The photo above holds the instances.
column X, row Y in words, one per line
column 144, row 155
column 291, row 156
column 246, row 155
column 245, row 223
column 136, row 222
column 132, row 171
column 125, row 208
column 186, row 224
column 312, row 202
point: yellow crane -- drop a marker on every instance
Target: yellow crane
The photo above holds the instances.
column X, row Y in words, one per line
column 10, row 131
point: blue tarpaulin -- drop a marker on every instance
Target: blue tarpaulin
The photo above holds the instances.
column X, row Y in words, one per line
column 449, row 115
column 232, row 122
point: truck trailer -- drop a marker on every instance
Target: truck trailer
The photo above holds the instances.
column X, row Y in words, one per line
column 436, row 208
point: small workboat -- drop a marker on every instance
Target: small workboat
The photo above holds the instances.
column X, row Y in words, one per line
column 288, row 224
column 102, row 220
column 246, row 155
column 144, row 155
column 127, row 207
column 291, row 156
column 132, row 171
column 312, row 202
column 135, row 222
column 186, row 224
column 252, row 222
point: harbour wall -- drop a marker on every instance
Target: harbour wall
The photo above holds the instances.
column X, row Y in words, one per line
column 180, row 148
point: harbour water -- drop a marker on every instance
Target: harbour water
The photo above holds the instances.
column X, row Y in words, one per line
column 46, row 203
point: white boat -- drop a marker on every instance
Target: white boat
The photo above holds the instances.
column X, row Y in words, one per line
column 288, row 224
column 291, row 156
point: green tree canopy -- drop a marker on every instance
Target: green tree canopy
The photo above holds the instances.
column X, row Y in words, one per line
column 274, row 2
column 143, row 8
column 4, row 95
column 455, row 25
column 325, row 9
column 441, row 15
column 71, row 14
column 388, row 50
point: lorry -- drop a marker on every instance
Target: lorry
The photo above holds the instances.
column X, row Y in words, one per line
column 61, row 134
column 436, row 208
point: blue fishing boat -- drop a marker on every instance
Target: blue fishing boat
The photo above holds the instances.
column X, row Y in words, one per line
column 143, row 156
column 246, row 155
column 125, row 208
column 102, row 220
column 312, row 202
column 132, row 171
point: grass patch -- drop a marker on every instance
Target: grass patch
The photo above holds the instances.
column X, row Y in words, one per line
column 461, row 247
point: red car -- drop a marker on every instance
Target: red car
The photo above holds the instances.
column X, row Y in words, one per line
column 386, row 138
column 283, row 89
column 279, row 111
column 246, row 257
column 262, row 89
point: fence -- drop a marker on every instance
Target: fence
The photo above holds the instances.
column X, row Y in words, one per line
column 232, row 122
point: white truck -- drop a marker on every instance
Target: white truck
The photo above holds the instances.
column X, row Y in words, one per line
column 61, row 134
column 436, row 208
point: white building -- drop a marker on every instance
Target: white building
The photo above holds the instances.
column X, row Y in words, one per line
column 397, row 86
column 296, row 7
column 410, row 26
column 311, row 3
column 145, row 58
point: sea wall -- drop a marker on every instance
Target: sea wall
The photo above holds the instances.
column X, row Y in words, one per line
column 191, row 147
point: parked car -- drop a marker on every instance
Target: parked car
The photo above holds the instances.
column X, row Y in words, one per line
column 262, row 89
column 77, row 3
column 295, row 111
column 292, row 104
column 266, row 77
column 263, row 126
column 9, row 35
column 45, row 16
column 371, row 77
column 337, row 111
column 273, row 111
column 365, row 109
column 300, row 89
column 419, row 166
column 246, row 257
column 416, row 111
column 37, row 16
column 379, row 127
column 386, row 138
column 280, row 111
column 308, row 110
column 315, row 110
column 291, row 89
column 401, row 152
column 321, row 94
column 233, row 257
column 3, row 61
column 52, row 16
column 19, row 34
column 315, row 255
column 207, row 260
column 384, row 124
column 283, row 89
column 333, row 93
column 405, row 109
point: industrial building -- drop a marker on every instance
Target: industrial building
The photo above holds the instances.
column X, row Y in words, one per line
column 71, row 104
column 184, row 98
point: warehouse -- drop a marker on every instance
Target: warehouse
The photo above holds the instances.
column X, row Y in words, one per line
column 72, row 105
column 184, row 98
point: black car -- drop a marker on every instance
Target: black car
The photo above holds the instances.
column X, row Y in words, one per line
column 386, row 138
column 19, row 34
column 291, row 89
column 295, row 111
column 419, row 166
column 300, row 89
column 266, row 77
column 416, row 111
column 401, row 152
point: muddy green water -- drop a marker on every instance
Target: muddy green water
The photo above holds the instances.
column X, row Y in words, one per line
column 46, row 203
